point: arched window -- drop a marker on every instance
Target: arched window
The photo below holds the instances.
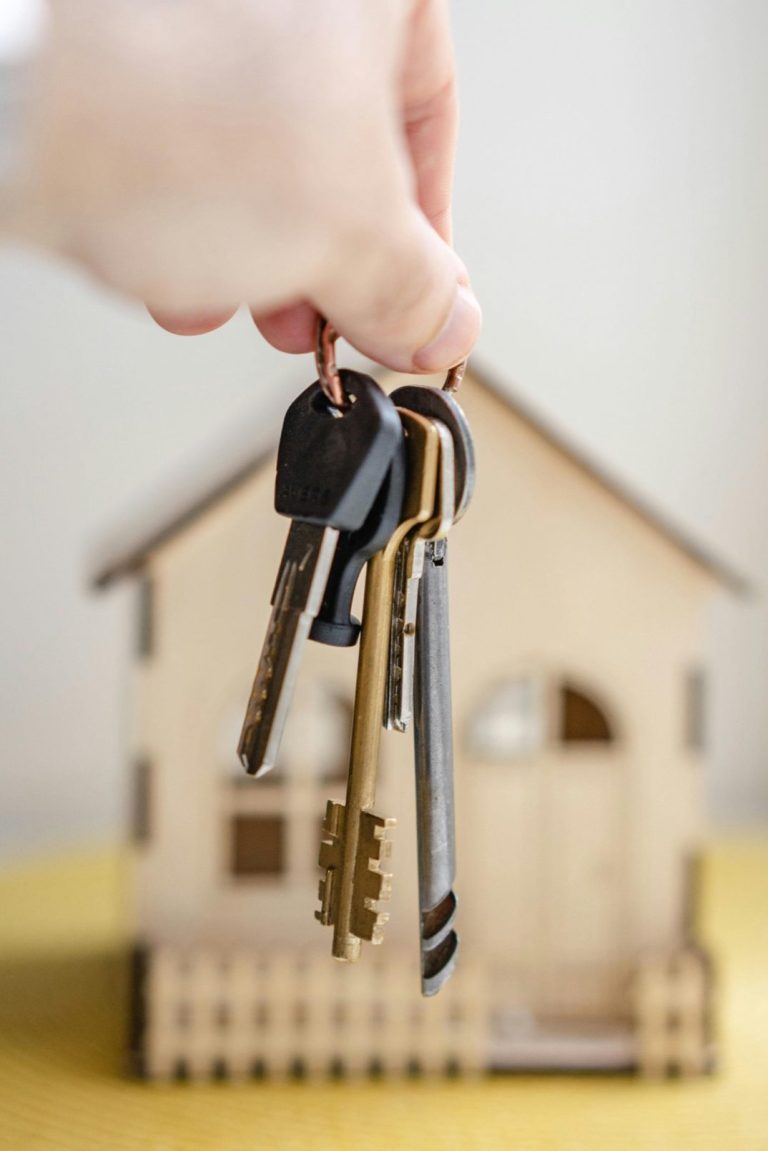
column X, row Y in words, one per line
column 509, row 723
column 581, row 719
column 518, row 716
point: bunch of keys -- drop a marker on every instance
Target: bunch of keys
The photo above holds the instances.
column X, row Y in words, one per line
column 376, row 481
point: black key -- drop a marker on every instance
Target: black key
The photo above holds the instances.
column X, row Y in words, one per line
column 330, row 468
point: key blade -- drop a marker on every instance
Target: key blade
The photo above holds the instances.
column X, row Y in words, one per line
column 433, row 747
column 395, row 657
column 303, row 574
column 272, row 690
column 433, row 734
column 403, row 689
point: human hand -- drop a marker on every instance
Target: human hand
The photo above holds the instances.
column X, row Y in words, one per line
column 294, row 155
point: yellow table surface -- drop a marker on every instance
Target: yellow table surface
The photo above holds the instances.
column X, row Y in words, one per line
column 62, row 1015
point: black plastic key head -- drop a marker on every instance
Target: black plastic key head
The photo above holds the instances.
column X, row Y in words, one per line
column 334, row 624
column 329, row 465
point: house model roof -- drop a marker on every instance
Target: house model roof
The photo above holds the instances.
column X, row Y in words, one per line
column 187, row 501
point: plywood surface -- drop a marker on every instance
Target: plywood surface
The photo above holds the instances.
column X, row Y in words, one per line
column 62, row 1017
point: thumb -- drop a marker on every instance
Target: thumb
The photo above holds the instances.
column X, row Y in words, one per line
column 402, row 296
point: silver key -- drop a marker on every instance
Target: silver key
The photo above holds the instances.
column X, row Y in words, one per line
column 433, row 729
column 408, row 572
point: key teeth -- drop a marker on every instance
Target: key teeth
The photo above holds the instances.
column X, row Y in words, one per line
column 375, row 886
column 324, row 914
column 374, row 839
column 377, row 936
column 333, row 821
column 368, row 924
column 330, row 861
column 332, row 832
column 372, row 884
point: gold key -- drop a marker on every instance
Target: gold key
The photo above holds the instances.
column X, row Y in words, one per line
column 355, row 840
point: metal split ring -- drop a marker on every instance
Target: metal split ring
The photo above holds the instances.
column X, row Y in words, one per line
column 454, row 377
column 328, row 373
column 325, row 359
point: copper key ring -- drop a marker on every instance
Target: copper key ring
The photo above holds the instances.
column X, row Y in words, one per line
column 328, row 373
column 325, row 361
column 454, row 377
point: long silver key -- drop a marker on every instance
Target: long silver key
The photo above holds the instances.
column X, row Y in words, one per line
column 433, row 728
column 330, row 466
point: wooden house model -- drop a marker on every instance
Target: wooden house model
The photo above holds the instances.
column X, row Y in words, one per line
column 579, row 671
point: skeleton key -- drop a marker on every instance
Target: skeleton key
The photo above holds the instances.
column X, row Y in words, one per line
column 330, row 467
column 354, row 839
column 410, row 565
column 433, row 734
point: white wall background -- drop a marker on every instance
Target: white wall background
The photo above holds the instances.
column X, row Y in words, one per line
column 613, row 207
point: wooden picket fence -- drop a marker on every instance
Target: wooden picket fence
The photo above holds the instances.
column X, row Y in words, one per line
column 237, row 1014
column 672, row 1008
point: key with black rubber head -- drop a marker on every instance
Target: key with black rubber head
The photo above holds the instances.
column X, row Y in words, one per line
column 330, row 468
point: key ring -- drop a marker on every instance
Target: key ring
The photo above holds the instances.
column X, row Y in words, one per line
column 325, row 360
column 454, row 377
column 328, row 373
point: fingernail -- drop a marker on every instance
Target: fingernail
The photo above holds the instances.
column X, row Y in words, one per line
column 457, row 336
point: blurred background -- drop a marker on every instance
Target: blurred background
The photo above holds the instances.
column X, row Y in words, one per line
column 612, row 206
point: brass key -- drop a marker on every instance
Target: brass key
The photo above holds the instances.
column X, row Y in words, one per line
column 354, row 839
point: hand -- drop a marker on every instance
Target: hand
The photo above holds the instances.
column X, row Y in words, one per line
column 292, row 154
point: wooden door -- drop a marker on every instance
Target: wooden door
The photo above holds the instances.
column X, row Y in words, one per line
column 583, row 891
column 548, row 880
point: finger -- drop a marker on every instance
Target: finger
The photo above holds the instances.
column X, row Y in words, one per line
column 408, row 304
column 191, row 323
column 290, row 329
column 430, row 111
